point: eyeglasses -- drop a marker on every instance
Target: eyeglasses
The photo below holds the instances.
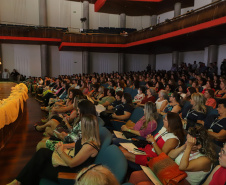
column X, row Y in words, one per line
column 87, row 171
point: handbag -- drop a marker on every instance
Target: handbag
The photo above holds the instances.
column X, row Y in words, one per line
column 166, row 169
column 129, row 135
column 58, row 161
column 139, row 143
column 107, row 113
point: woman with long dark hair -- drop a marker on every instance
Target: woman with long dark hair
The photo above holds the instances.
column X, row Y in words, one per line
column 196, row 156
column 168, row 138
column 72, row 133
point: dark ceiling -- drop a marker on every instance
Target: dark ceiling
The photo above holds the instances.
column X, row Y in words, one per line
column 138, row 8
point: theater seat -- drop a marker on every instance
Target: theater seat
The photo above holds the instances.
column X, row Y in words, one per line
column 136, row 115
column 128, row 90
column 69, row 178
column 134, row 93
column 113, row 158
column 105, row 138
column 47, row 182
column 159, row 124
column 100, row 122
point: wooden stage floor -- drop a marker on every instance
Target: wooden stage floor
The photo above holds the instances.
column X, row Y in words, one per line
column 5, row 89
column 22, row 145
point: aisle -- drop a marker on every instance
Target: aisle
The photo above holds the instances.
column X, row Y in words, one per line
column 22, row 145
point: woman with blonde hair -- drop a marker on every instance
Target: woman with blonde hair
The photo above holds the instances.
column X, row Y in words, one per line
column 96, row 174
column 146, row 125
column 196, row 111
column 43, row 164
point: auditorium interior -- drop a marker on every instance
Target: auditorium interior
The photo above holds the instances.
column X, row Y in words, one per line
column 114, row 44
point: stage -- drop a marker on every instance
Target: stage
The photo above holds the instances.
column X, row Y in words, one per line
column 18, row 140
column 5, row 89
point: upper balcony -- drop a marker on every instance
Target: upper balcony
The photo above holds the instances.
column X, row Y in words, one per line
column 191, row 31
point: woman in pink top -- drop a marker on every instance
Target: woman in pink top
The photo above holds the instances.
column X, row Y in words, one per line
column 146, row 125
column 218, row 175
column 210, row 101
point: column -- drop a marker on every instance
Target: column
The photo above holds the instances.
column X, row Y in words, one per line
column 85, row 54
column 175, row 57
column 177, row 9
column 122, row 23
column 153, row 20
column 44, row 60
column 86, row 14
column 152, row 61
column 212, row 54
column 42, row 13
column 43, row 48
column 121, row 56
column 85, row 62
column 121, row 61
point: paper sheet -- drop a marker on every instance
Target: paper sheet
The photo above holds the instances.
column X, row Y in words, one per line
column 119, row 134
column 151, row 175
column 130, row 147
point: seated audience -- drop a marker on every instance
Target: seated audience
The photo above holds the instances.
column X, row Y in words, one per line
column 120, row 86
column 107, row 100
column 218, row 175
column 140, row 96
column 174, row 105
column 117, row 102
column 159, row 86
column 210, row 101
column 195, row 157
column 86, row 149
column 146, row 125
column 190, row 91
column 195, row 85
column 161, row 102
column 197, row 110
column 209, row 85
column 169, row 89
column 99, row 94
column 84, row 88
column 216, row 125
column 125, row 109
column 182, row 90
column 168, row 138
column 148, row 98
column 72, row 132
column 222, row 92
